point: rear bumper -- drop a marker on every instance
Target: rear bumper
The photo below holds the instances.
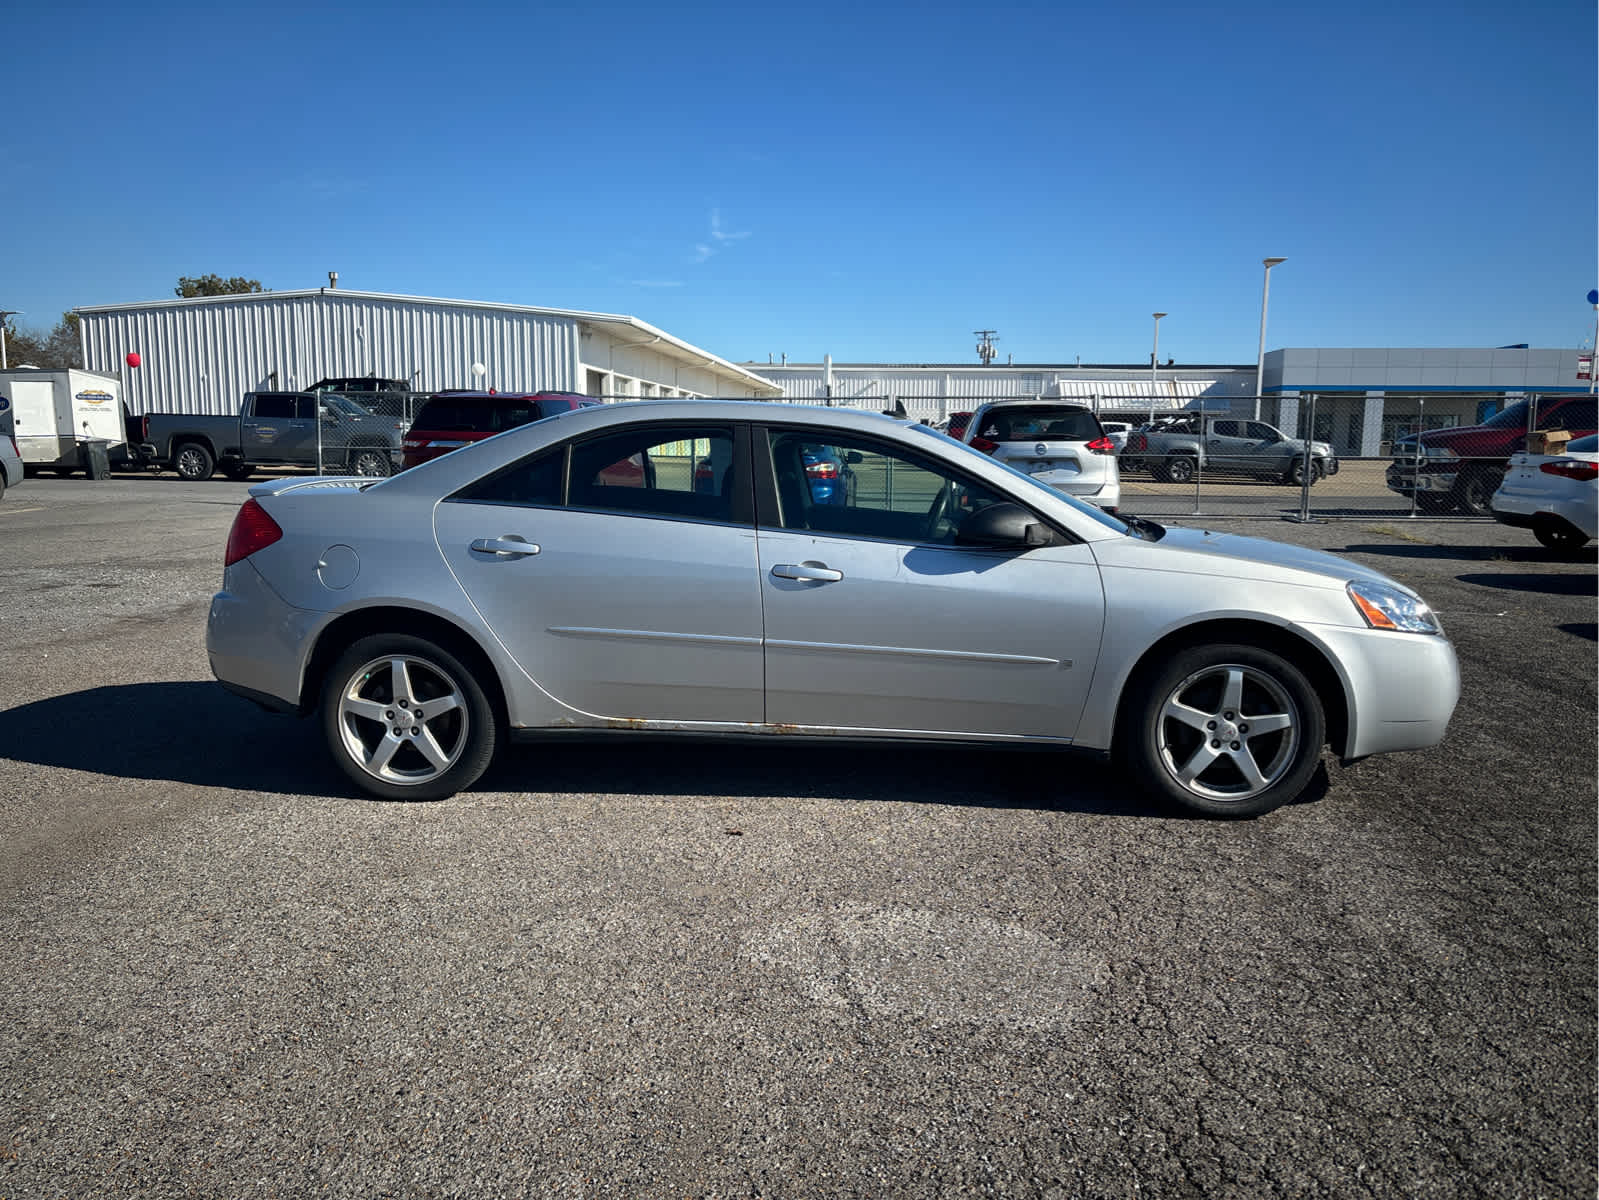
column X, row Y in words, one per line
column 255, row 641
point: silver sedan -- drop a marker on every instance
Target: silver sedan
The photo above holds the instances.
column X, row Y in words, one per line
column 667, row 566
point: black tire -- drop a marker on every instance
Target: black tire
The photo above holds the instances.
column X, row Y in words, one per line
column 237, row 471
column 193, row 462
column 2, row 485
column 1168, row 740
column 372, row 462
column 1433, row 504
column 1295, row 474
column 1558, row 536
column 1179, row 470
column 436, row 753
column 1475, row 492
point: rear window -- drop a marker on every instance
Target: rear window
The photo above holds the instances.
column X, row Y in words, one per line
column 1040, row 422
column 475, row 414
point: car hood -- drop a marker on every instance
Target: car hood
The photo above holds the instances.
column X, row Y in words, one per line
column 1205, row 552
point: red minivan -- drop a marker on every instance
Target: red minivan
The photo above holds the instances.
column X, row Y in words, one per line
column 449, row 420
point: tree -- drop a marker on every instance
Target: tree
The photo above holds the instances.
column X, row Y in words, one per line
column 215, row 285
column 59, row 348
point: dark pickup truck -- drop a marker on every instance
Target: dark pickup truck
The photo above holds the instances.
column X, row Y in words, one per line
column 329, row 432
column 1460, row 467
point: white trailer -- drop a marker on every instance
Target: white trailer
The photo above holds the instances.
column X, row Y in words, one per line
column 59, row 417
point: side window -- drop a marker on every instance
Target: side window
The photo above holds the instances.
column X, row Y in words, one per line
column 659, row 471
column 274, row 406
column 859, row 488
column 305, row 408
column 534, row 481
column 1578, row 415
column 1263, row 433
column 1225, row 429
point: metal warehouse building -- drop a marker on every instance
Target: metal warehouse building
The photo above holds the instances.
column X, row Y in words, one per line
column 202, row 355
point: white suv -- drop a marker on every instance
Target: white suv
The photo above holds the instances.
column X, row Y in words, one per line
column 1062, row 445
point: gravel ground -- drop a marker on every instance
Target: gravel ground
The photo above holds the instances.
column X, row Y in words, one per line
column 677, row 970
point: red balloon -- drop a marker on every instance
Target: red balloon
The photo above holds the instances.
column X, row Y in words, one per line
column 133, row 358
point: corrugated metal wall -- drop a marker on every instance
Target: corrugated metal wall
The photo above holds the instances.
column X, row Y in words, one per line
column 202, row 358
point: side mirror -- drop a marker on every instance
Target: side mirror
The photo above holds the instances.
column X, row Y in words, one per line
column 1002, row 526
column 854, row 458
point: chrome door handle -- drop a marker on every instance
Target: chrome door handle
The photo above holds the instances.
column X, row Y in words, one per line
column 509, row 546
column 813, row 572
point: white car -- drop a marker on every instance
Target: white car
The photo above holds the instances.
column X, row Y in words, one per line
column 1117, row 432
column 1554, row 495
column 1060, row 445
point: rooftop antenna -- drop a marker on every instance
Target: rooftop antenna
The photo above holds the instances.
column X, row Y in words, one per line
column 985, row 348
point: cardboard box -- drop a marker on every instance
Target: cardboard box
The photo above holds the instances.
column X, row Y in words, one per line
column 1552, row 441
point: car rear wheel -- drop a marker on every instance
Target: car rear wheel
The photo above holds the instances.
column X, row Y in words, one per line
column 406, row 720
column 1227, row 730
column 1557, row 535
column 370, row 462
column 1179, row 470
column 193, row 462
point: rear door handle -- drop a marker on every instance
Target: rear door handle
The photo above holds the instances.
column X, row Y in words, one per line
column 509, row 546
column 813, row 572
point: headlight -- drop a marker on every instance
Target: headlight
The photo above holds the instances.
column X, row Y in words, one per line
column 1440, row 452
column 1386, row 607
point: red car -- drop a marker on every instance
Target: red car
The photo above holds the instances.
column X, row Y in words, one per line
column 449, row 420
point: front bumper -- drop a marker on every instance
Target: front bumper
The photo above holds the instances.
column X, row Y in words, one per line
column 1402, row 687
column 1409, row 477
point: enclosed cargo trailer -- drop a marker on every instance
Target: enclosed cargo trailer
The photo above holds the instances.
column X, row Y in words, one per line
column 65, row 420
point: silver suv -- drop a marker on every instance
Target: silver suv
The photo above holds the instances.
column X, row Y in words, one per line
column 1062, row 445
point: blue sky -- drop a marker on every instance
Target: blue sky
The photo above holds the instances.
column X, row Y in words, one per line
column 872, row 181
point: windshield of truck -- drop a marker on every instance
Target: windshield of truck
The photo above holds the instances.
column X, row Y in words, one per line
column 1513, row 417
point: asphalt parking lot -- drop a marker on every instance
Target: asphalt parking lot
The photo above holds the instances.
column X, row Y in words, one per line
column 674, row 970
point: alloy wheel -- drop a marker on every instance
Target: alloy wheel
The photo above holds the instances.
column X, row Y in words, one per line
column 1228, row 732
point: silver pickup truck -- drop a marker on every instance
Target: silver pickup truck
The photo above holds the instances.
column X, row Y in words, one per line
column 1175, row 449
column 328, row 432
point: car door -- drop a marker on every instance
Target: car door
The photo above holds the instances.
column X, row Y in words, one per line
column 624, row 594
column 1227, row 448
column 276, row 430
column 877, row 622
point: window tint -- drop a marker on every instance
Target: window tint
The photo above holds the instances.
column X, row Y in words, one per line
column 861, row 489
column 656, row 471
column 1263, row 433
column 475, row 414
column 1579, row 415
column 533, row 481
column 274, row 405
column 1226, row 429
column 1034, row 422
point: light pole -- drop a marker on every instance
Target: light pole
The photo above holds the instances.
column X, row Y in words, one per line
column 1154, row 357
column 1260, row 355
column 6, row 315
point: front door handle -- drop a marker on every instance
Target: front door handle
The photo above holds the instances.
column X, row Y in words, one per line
column 509, row 546
column 809, row 571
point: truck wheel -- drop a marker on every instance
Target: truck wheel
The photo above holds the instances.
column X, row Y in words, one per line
column 193, row 462
column 1179, row 470
column 1226, row 730
column 406, row 720
column 1476, row 491
column 370, row 462
column 1296, row 473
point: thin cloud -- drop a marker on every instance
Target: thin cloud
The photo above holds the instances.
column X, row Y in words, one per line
column 721, row 234
column 701, row 252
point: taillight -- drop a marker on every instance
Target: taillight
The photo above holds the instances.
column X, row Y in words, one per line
column 1579, row 471
column 983, row 444
column 822, row 470
column 252, row 530
column 1102, row 445
column 1137, row 441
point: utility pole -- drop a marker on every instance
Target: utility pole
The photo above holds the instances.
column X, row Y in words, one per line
column 985, row 348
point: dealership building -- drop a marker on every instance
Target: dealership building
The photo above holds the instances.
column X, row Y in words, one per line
column 201, row 355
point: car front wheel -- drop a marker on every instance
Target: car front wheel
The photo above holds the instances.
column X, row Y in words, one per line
column 406, row 720
column 1227, row 730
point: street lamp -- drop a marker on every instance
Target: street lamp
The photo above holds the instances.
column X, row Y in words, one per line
column 5, row 315
column 1260, row 355
column 1154, row 357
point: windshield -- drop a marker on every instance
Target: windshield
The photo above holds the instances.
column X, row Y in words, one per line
column 1032, row 485
column 343, row 404
column 1515, row 415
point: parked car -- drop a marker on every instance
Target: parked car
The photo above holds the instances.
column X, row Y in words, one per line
column 1117, row 432
column 359, row 383
column 1173, row 449
column 1459, row 468
column 955, row 426
column 1554, row 495
column 295, row 429
column 507, row 590
column 1060, row 445
column 10, row 462
column 452, row 419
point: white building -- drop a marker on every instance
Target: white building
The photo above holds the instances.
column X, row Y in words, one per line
column 201, row 355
